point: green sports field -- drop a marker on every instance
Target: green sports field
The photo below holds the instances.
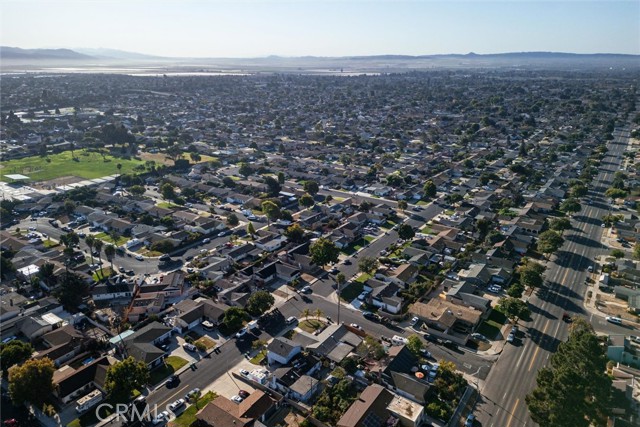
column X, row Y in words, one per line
column 87, row 166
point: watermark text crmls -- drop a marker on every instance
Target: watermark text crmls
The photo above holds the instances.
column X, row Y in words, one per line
column 124, row 412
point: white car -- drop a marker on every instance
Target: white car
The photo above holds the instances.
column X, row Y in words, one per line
column 241, row 332
column 355, row 325
column 161, row 417
column 414, row 320
column 139, row 257
column 511, row 337
column 291, row 320
column 244, row 372
column 176, row 405
column 494, row 289
column 614, row 320
column 237, row 398
column 189, row 346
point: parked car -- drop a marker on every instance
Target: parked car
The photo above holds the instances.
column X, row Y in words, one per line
column 414, row 320
column 241, row 333
column 237, row 399
column 426, row 354
column 347, row 262
column 334, row 270
column 176, row 405
column 243, row 394
column 291, row 320
column 193, row 392
column 566, row 317
column 511, row 337
column 470, row 420
column 161, row 418
column 189, row 346
column 244, row 372
column 356, row 326
column 306, row 290
column 494, row 289
column 614, row 320
column 369, row 315
column 139, row 257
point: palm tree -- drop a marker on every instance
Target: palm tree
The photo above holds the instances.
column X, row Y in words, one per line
column 119, row 167
column 318, row 313
column 306, row 313
column 90, row 241
column 110, row 253
column 114, row 236
column 97, row 244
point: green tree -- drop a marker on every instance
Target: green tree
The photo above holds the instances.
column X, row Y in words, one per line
column 402, row 205
column 367, row 265
column 124, row 377
column 306, row 200
column 406, row 232
column 549, row 242
column 110, row 253
column 579, row 190
column 232, row 219
column 165, row 246
column 306, row 313
column 281, row 178
column 259, row 302
column 373, row 348
column 137, row 190
column 414, row 344
column 559, row 224
column 47, row 274
column 317, row 312
column 244, row 169
column 167, row 191
column 570, row 205
column 273, row 185
column 251, row 229
column 233, row 318
column 530, row 278
column 295, row 233
column 615, row 193
column 31, row 381
column 311, row 187
column 14, row 353
column 574, row 390
column 323, row 251
column 514, row 308
column 636, row 251
column 617, row 253
column 71, row 290
column 271, row 210
column 90, row 241
column 429, row 189
column 483, row 225
column 194, row 397
column 516, row 290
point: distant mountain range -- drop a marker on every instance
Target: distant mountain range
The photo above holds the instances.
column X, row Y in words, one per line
column 106, row 54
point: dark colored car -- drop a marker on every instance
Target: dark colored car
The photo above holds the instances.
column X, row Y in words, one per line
column 173, row 381
column 243, row 394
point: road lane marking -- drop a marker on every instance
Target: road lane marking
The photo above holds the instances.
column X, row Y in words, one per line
column 535, row 354
column 513, row 411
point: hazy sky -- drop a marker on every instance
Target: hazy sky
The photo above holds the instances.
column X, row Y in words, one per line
column 249, row 28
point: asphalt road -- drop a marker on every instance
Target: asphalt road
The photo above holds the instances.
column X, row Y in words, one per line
column 502, row 403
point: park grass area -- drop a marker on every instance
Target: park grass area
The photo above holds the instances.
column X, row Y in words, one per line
column 121, row 240
column 87, row 165
column 258, row 358
column 310, row 325
column 188, row 417
column 351, row 291
column 172, row 364
column 208, row 342
column 490, row 328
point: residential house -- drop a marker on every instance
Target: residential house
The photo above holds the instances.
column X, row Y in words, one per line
column 63, row 344
column 445, row 318
column 71, row 384
column 400, row 376
column 464, row 293
column 142, row 344
column 281, row 350
column 222, row 412
column 378, row 406
column 625, row 350
column 187, row 314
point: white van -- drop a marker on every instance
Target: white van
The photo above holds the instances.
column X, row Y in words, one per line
column 398, row 340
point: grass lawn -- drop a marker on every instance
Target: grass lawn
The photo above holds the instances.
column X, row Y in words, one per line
column 363, row 278
column 121, row 240
column 106, row 272
column 369, row 238
column 166, row 205
column 258, row 357
column 490, row 328
column 422, row 203
column 207, row 342
column 310, row 325
column 172, row 364
column 189, row 415
column 427, row 230
column 49, row 244
column 87, row 166
column 351, row 291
